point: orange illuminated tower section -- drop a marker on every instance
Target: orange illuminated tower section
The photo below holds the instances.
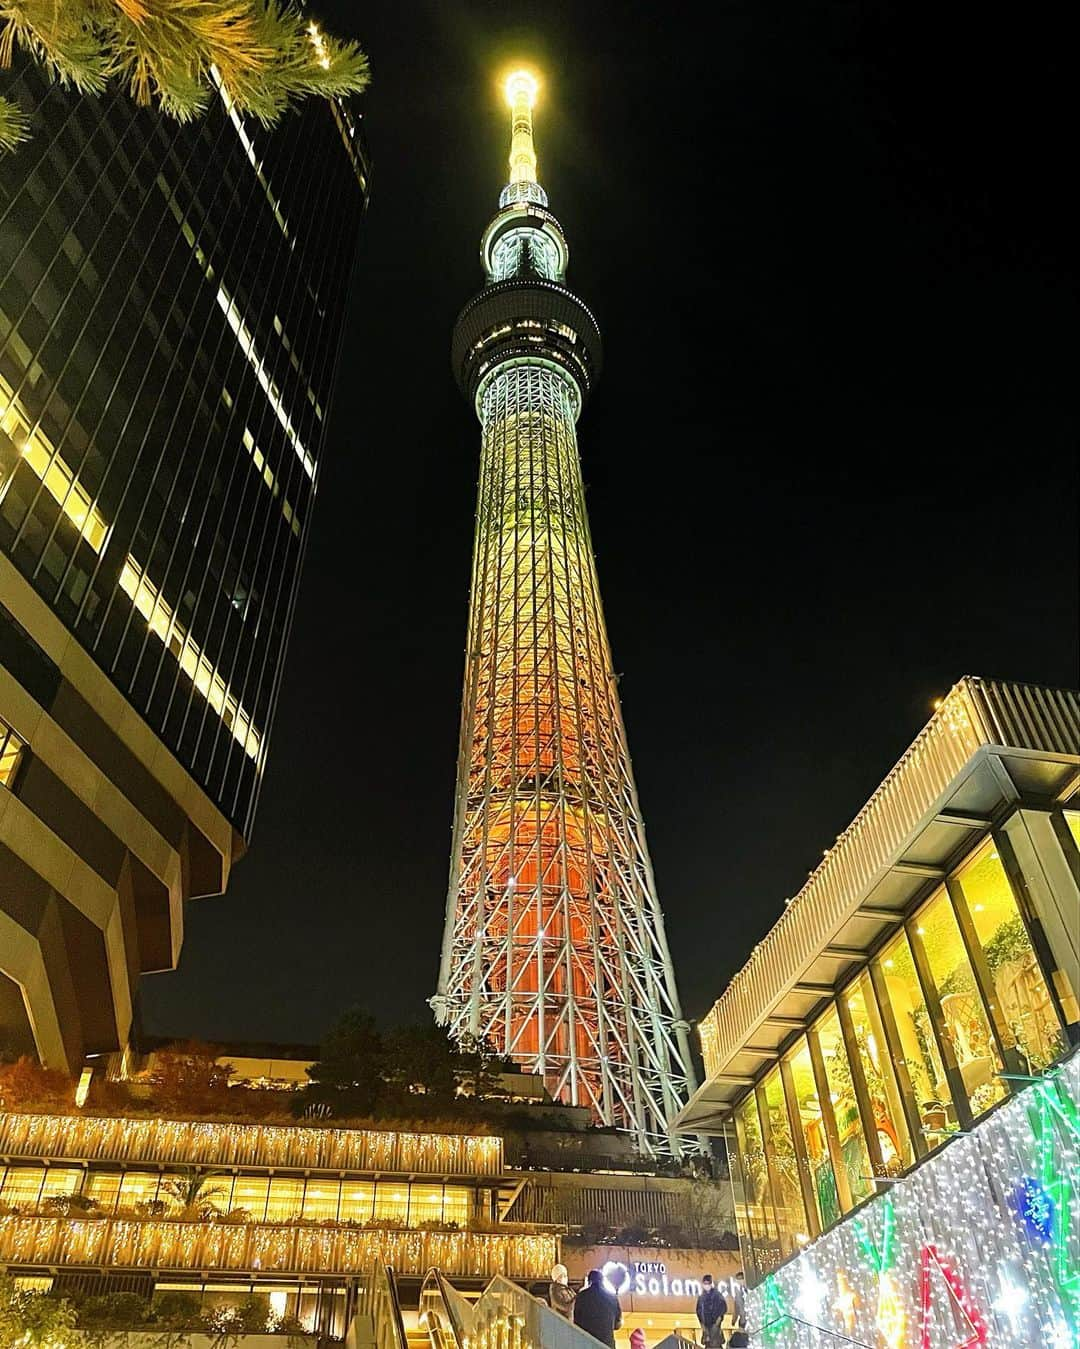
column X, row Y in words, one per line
column 554, row 946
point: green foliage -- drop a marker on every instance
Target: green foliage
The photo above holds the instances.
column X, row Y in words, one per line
column 1009, row 943
column 349, row 1074
column 14, row 124
column 31, row 1320
column 108, row 1317
column 265, row 54
column 416, row 1069
column 193, row 1192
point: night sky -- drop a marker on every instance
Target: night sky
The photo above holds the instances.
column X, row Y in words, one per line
column 829, row 464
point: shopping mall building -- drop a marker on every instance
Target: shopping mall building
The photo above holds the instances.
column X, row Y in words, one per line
column 894, row 1068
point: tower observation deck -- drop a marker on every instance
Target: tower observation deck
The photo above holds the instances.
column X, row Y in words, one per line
column 554, row 945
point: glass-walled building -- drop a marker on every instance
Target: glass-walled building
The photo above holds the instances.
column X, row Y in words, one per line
column 171, row 310
column 923, row 981
column 221, row 1211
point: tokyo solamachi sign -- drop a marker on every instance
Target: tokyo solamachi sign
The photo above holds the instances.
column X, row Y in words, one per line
column 647, row 1278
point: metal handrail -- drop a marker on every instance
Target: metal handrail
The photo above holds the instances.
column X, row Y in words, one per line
column 444, row 1313
column 821, row 1330
column 379, row 1300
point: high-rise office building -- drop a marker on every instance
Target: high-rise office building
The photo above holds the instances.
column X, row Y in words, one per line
column 171, row 310
column 554, row 946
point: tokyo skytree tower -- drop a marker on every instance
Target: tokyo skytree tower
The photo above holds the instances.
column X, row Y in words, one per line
column 554, row 946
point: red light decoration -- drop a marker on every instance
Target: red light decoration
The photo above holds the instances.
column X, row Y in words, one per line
column 977, row 1326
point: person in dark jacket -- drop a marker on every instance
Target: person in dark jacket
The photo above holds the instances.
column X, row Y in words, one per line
column 596, row 1310
column 711, row 1309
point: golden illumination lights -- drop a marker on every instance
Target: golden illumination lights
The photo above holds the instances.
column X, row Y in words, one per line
column 174, row 1244
column 228, row 1144
column 521, row 86
column 521, row 89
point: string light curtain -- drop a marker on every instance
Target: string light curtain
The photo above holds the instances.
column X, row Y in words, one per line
column 980, row 1245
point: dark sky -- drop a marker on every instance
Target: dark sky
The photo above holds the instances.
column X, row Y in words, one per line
column 829, row 464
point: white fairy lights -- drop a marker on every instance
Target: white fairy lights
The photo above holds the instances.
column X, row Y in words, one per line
column 979, row 1245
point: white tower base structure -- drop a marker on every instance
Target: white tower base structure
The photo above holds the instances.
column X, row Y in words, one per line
column 554, row 947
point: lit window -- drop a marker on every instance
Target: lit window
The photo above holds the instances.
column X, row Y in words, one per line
column 1022, row 999
column 38, row 452
column 965, row 1025
column 11, row 748
column 812, row 1123
column 918, row 1044
column 854, row 1156
column 757, row 1226
column 877, row 1068
column 160, row 619
column 784, row 1164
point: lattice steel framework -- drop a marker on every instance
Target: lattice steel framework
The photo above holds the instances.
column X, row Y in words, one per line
column 554, row 945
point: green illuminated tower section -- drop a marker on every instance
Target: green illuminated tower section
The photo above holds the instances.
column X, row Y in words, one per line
column 554, row 946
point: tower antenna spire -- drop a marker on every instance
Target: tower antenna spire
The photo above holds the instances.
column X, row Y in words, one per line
column 521, row 90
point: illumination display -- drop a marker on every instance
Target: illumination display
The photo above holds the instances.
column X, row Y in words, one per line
column 554, row 946
column 155, row 1244
column 979, row 1245
column 207, row 1143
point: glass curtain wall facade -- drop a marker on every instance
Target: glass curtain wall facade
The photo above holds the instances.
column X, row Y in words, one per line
column 171, row 310
column 171, row 302
column 107, row 1193
column 953, row 1013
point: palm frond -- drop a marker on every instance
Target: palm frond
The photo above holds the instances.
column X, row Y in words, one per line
column 265, row 54
column 61, row 37
column 14, row 125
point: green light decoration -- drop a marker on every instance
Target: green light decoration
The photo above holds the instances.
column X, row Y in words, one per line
column 979, row 1241
column 774, row 1312
column 1052, row 1113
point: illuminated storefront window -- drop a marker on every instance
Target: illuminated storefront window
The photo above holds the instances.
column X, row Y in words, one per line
column 760, row 1221
column 252, row 1198
column 894, row 1143
column 1021, row 994
column 357, row 1201
column 812, row 1122
column 783, row 1164
column 919, row 1056
column 845, row 1106
column 964, row 1023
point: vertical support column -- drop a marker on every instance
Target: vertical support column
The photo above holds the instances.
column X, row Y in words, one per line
column 798, row 1142
column 1042, row 863
column 858, row 1081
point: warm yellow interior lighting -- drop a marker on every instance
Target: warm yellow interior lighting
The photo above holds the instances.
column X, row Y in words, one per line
column 159, row 617
column 83, row 1088
column 11, row 748
column 56, row 477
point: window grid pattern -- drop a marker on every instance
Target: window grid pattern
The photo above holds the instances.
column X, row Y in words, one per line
column 118, row 456
column 916, row 1048
column 555, row 942
column 30, row 1188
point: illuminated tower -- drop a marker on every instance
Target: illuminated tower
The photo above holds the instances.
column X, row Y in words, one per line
column 554, row 946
